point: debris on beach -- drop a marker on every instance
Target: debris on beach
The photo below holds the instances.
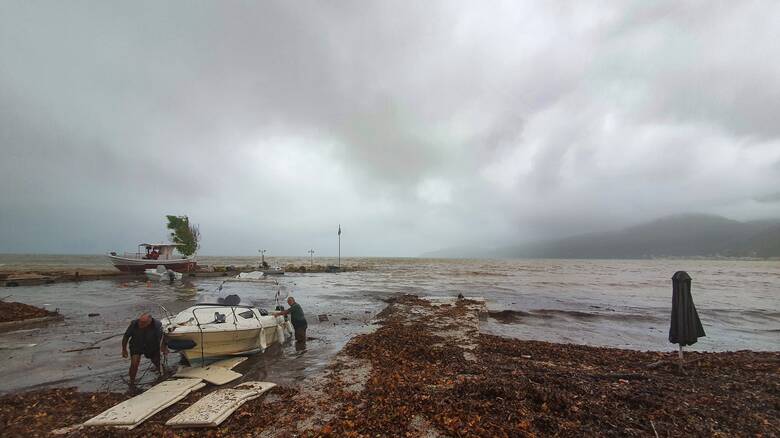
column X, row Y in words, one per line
column 12, row 311
column 212, row 410
column 64, row 410
column 427, row 371
column 431, row 374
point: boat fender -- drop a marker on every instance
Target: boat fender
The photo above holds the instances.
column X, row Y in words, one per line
column 263, row 344
column 289, row 327
column 280, row 334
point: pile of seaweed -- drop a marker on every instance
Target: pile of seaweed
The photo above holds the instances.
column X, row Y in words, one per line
column 12, row 311
column 55, row 412
column 422, row 386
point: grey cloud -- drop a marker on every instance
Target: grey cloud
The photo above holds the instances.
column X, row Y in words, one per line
column 271, row 122
column 769, row 198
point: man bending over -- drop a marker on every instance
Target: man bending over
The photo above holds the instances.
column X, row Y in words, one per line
column 145, row 335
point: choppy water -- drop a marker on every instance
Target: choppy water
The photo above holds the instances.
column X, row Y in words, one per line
column 618, row 303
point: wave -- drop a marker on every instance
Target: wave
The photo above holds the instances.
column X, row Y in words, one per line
column 478, row 274
column 508, row 316
column 517, row 316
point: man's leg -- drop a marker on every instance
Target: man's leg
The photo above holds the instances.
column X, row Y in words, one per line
column 135, row 359
column 156, row 361
column 300, row 334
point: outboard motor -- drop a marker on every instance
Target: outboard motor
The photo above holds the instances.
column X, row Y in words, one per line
column 171, row 276
column 232, row 300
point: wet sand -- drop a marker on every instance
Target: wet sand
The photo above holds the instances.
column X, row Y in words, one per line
column 428, row 372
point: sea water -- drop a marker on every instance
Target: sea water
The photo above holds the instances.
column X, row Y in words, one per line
column 614, row 303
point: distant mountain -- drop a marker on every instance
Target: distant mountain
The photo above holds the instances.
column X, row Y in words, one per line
column 690, row 235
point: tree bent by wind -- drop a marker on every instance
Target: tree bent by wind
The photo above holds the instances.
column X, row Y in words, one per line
column 184, row 234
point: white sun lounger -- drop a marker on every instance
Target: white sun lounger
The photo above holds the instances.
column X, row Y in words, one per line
column 132, row 412
column 213, row 409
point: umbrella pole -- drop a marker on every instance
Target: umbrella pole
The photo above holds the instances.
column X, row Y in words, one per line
column 680, row 354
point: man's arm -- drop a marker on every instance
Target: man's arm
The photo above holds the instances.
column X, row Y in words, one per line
column 125, row 338
column 282, row 312
column 161, row 338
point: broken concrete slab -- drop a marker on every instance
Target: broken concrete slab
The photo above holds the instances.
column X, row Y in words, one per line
column 132, row 412
column 213, row 409
column 230, row 363
column 213, row 374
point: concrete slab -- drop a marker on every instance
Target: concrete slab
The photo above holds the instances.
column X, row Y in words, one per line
column 215, row 375
column 132, row 412
column 230, row 363
column 213, row 409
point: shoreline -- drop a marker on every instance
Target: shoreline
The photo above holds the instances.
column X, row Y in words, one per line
column 427, row 371
column 14, row 277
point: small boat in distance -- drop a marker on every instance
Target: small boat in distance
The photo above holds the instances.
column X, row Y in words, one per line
column 151, row 255
column 248, row 276
column 276, row 270
column 163, row 274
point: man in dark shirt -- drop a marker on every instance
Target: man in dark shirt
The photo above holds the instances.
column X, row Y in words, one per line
column 296, row 318
column 145, row 335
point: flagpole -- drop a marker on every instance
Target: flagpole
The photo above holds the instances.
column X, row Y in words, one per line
column 339, row 246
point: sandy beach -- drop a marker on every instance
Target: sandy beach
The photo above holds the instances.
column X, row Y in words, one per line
column 566, row 348
column 426, row 371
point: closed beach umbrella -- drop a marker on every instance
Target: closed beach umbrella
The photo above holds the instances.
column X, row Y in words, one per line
column 686, row 327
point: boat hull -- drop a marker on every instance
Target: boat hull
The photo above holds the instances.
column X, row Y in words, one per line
column 126, row 264
column 226, row 343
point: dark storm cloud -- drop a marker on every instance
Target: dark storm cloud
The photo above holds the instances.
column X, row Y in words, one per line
column 769, row 198
column 417, row 125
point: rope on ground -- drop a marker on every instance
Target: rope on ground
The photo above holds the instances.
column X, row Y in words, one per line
column 105, row 339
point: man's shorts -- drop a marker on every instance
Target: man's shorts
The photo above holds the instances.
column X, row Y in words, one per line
column 148, row 353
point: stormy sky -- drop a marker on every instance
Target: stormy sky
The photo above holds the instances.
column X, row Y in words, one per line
column 416, row 125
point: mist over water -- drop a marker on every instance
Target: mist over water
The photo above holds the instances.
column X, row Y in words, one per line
column 615, row 303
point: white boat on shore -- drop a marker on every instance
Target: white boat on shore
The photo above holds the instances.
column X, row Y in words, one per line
column 249, row 276
column 275, row 270
column 206, row 331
